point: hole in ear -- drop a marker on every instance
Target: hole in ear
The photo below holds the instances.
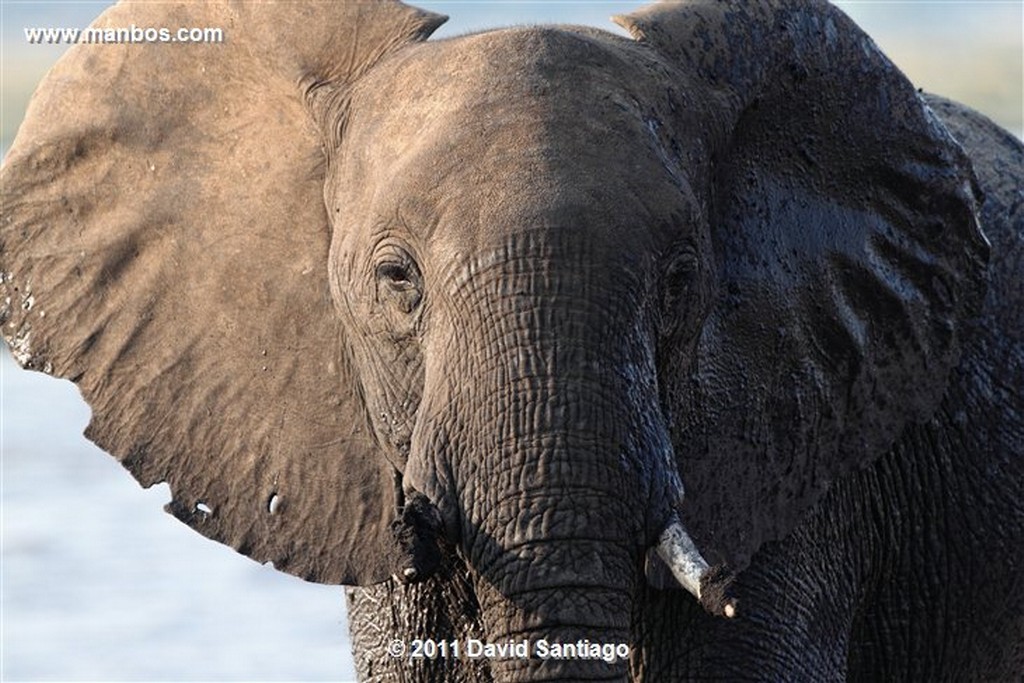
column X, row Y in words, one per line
column 203, row 508
column 273, row 503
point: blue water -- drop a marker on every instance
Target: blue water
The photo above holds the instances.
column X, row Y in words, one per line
column 99, row 583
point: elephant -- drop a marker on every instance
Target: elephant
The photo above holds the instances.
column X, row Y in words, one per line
column 694, row 354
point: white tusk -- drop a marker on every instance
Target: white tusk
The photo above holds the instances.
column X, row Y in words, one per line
column 677, row 550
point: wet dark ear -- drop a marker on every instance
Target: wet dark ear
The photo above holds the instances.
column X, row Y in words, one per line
column 847, row 250
column 164, row 244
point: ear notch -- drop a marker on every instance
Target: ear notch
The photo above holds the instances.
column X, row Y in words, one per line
column 323, row 73
column 848, row 254
column 164, row 244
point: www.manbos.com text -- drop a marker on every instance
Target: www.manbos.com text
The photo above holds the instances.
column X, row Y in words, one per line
column 121, row 35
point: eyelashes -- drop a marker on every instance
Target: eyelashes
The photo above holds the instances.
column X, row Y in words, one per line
column 399, row 281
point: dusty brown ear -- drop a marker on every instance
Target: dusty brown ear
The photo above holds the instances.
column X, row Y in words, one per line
column 847, row 250
column 164, row 244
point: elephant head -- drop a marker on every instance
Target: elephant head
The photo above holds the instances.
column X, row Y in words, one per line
column 353, row 294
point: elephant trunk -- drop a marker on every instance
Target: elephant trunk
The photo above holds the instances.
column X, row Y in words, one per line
column 566, row 604
column 555, row 525
column 554, row 534
column 552, row 468
column 554, row 495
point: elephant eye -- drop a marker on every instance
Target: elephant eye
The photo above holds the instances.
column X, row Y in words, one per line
column 679, row 277
column 679, row 292
column 395, row 274
column 398, row 282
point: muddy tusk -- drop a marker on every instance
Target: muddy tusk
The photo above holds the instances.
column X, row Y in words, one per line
column 677, row 550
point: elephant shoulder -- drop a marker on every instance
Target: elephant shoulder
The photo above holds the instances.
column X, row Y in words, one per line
column 991, row 371
column 998, row 159
column 989, row 145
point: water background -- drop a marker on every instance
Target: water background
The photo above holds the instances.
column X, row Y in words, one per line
column 98, row 583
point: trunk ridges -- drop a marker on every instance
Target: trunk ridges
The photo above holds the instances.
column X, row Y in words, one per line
column 555, row 458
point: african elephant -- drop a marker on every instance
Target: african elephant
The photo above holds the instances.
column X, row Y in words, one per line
column 454, row 322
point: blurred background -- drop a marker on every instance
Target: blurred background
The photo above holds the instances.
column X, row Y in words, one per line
column 98, row 583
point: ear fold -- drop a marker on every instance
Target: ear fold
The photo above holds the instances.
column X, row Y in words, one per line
column 164, row 244
column 847, row 251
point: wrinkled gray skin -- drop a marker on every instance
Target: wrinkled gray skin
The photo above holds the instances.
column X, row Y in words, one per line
column 473, row 312
column 908, row 569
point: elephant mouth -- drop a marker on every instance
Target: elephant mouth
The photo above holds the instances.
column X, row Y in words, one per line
column 419, row 532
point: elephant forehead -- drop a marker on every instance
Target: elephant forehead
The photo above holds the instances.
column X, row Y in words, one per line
column 523, row 127
column 525, row 74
